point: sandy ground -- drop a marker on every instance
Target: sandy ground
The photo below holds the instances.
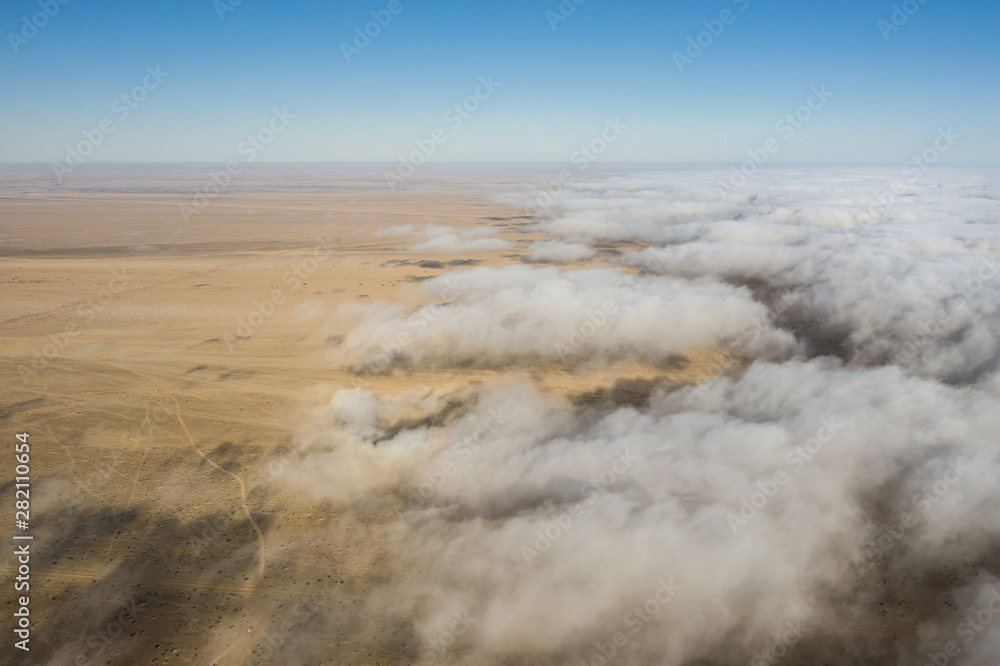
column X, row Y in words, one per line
column 158, row 363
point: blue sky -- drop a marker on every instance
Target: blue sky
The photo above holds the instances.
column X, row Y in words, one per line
column 892, row 91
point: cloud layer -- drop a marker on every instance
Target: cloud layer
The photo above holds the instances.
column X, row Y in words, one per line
column 833, row 502
column 518, row 313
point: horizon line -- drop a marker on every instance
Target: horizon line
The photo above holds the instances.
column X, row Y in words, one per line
column 594, row 165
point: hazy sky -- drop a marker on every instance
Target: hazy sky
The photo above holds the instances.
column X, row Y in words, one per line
column 560, row 80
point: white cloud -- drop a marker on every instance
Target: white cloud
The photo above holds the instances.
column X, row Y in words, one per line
column 557, row 252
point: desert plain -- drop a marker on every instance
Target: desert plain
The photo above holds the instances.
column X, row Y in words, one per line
column 160, row 363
